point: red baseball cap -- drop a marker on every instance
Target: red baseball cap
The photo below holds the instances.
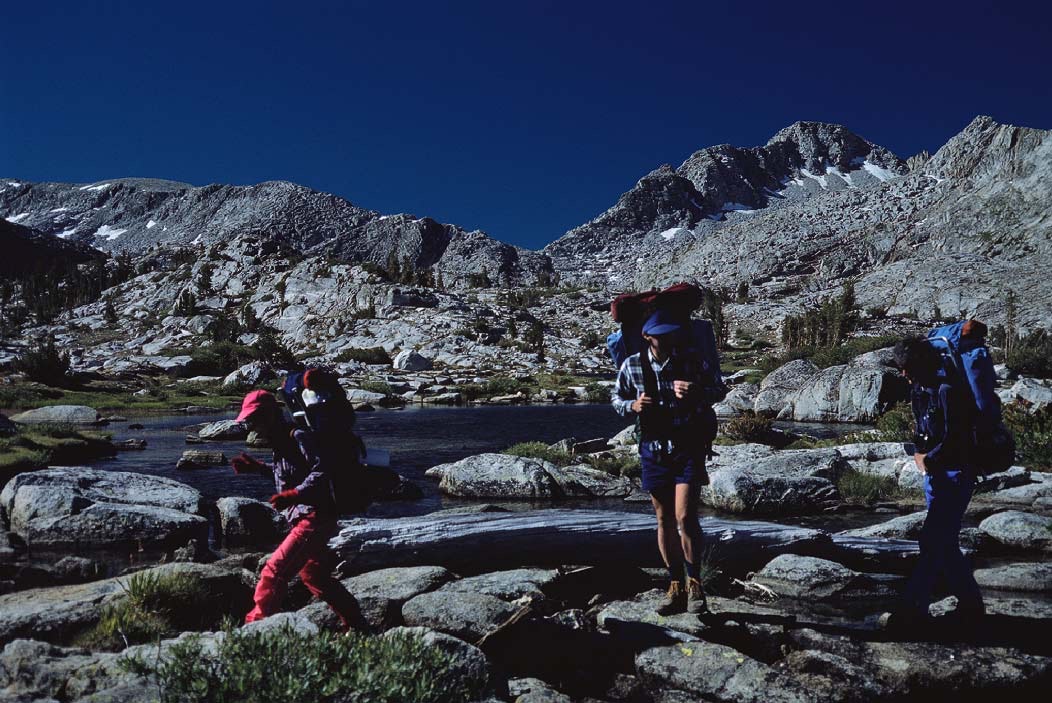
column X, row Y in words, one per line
column 254, row 400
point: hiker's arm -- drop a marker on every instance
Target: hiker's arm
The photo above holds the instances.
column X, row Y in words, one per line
column 951, row 448
column 624, row 393
column 315, row 489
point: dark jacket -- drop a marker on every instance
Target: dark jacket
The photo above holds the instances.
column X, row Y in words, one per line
column 944, row 426
column 300, row 463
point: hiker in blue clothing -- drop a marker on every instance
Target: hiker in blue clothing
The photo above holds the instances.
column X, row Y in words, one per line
column 944, row 453
column 672, row 392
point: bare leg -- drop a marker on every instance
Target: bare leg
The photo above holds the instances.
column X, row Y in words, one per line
column 687, row 522
column 664, row 502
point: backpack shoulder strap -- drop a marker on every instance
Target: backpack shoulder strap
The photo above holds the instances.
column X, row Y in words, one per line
column 650, row 384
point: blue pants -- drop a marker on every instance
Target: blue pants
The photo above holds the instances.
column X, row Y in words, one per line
column 947, row 495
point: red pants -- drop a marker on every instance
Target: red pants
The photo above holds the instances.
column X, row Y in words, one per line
column 304, row 550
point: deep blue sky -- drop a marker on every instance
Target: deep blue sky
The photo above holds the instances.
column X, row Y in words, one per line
column 523, row 119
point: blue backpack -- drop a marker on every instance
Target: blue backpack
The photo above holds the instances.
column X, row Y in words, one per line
column 698, row 341
column 967, row 364
column 319, row 405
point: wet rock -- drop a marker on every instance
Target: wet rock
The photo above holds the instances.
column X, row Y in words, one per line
column 583, row 481
column 1025, row 495
column 780, row 384
column 382, row 593
column 468, row 664
column 739, row 399
column 624, row 438
column 57, row 508
column 7, row 428
column 130, row 445
column 1017, row 608
column 506, row 585
column 468, row 616
column 243, row 521
column 58, row 415
column 746, row 479
column 409, row 360
column 1026, row 576
column 250, row 375
column 1032, row 393
column 193, row 459
column 297, row 622
column 36, row 671
column 56, row 613
column 589, row 446
column 715, row 672
column 498, row 476
column 810, row 578
column 926, row 668
column 532, row 690
column 450, row 398
column 902, row 527
column 875, row 458
column 1014, row 477
column 223, row 430
column 1014, row 528
column 854, row 392
column 357, row 395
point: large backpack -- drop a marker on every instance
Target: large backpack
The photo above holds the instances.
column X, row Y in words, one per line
column 967, row 364
column 698, row 341
column 319, row 405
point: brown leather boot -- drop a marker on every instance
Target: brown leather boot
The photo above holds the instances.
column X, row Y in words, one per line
column 675, row 600
column 696, row 601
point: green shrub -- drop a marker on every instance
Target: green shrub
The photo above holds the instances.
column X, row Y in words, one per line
column 617, row 464
column 292, row 667
column 591, row 340
column 371, row 355
column 857, row 488
column 504, row 385
column 836, row 356
column 376, row 387
column 152, row 606
column 597, row 393
column 748, row 428
column 1031, row 355
column 45, row 364
column 540, row 450
column 1033, row 435
column 896, row 425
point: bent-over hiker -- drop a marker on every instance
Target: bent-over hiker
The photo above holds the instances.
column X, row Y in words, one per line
column 672, row 395
column 944, row 451
column 303, row 479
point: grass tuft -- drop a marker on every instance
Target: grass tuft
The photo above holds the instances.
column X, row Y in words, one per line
column 293, row 667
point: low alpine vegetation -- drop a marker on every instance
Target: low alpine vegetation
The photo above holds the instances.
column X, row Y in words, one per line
column 293, row 667
column 152, row 606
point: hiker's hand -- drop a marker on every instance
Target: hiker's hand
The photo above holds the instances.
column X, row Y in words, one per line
column 245, row 464
column 918, row 459
column 682, row 388
column 643, row 401
column 282, row 500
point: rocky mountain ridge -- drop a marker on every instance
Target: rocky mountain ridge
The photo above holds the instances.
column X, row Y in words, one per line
column 668, row 205
column 956, row 233
column 134, row 215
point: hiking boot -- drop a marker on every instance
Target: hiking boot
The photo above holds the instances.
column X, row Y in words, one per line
column 696, row 601
column 675, row 600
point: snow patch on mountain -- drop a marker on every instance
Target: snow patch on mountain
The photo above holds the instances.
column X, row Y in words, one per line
column 109, row 233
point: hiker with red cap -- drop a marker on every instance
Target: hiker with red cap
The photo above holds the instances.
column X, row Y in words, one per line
column 670, row 386
column 303, row 476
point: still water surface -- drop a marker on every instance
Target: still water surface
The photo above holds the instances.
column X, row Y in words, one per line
column 417, row 437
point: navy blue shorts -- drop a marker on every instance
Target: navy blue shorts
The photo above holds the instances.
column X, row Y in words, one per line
column 662, row 469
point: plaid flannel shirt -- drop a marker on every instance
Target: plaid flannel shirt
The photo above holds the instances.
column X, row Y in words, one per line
column 708, row 387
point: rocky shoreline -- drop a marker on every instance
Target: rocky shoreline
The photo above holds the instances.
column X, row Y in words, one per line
column 556, row 603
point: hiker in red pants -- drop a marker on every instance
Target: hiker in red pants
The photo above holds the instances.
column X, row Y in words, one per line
column 305, row 497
